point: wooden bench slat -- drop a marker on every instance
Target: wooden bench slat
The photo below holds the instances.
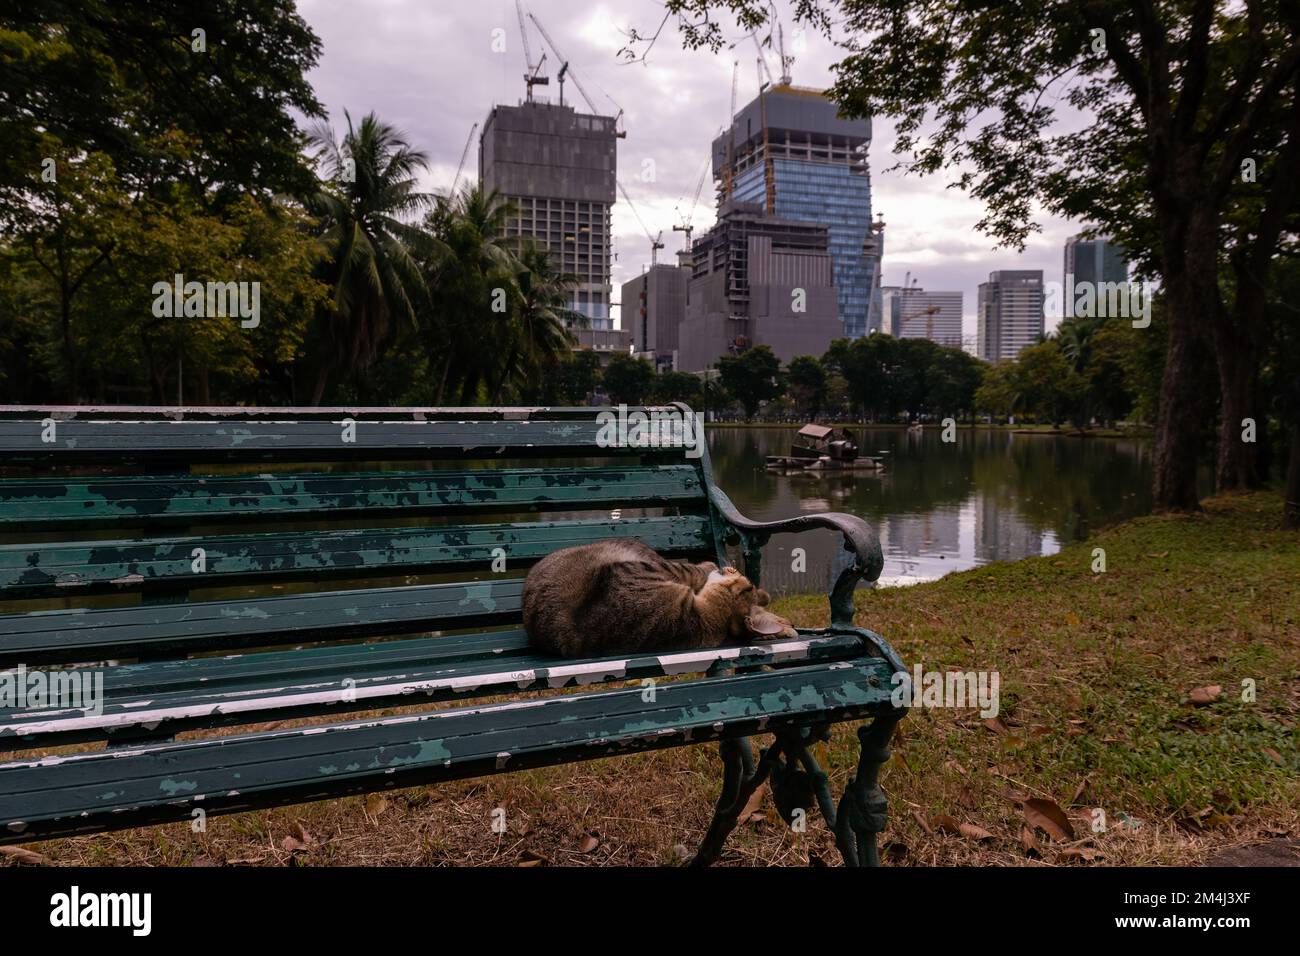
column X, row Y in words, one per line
column 42, row 503
column 82, row 634
column 215, row 692
column 92, row 440
column 36, row 570
column 155, row 783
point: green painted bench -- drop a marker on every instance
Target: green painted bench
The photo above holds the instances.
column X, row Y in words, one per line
column 246, row 568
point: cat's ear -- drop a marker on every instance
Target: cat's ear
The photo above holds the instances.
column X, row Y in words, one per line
column 763, row 623
column 762, row 598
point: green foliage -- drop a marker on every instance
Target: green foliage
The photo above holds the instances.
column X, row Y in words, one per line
column 807, row 388
column 751, row 378
column 628, row 380
column 679, row 387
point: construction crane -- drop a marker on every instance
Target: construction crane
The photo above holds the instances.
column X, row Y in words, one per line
column 656, row 242
column 463, row 156
column 532, row 77
column 686, row 225
column 786, row 61
column 567, row 69
column 728, row 172
column 762, row 60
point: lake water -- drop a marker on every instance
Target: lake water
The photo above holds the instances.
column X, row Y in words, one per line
column 937, row 507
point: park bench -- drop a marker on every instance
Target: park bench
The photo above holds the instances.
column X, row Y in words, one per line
column 231, row 572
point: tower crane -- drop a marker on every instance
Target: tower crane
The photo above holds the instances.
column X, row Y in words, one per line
column 689, row 218
column 786, row 61
column 532, row 77
column 656, row 242
column 762, row 60
column 463, row 156
column 567, row 69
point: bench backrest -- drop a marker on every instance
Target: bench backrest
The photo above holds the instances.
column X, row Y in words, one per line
column 313, row 524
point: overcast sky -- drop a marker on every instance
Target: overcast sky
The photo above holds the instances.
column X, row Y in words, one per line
column 434, row 67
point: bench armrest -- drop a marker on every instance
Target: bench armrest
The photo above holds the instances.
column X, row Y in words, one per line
column 859, row 539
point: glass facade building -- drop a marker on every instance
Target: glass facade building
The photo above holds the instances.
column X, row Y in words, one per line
column 792, row 154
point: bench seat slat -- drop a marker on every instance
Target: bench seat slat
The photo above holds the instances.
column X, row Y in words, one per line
column 83, row 634
column 155, row 783
column 34, row 570
column 45, row 503
column 88, row 440
column 214, row 692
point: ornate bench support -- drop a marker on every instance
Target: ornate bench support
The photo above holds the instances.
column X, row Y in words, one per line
column 863, row 809
column 739, row 781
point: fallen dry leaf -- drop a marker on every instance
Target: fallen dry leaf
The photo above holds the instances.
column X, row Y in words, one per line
column 293, row 845
column 30, row 857
column 971, row 831
column 376, row 804
column 945, row 824
column 1047, row 815
column 1204, row 696
column 1029, row 841
column 922, row 822
column 1273, row 755
column 588, row 843
column 996, row 724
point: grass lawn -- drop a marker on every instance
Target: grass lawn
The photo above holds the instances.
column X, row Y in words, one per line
column 1097, row 674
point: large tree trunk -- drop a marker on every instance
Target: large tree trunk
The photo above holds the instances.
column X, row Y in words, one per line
column 1237, row 351
column 1291, row 510
column 1191, row 296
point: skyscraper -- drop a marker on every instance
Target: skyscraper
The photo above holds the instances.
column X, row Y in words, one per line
column 920, row 314
column 1010, row 313
column 791, row 153
column 558, row 167
column 1095, row 262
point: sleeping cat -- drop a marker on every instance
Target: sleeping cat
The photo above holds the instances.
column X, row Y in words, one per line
column 622, row 596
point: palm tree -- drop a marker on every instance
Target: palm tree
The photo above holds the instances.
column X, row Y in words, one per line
column 540, row 336
column 472, row 287
column 365, row 205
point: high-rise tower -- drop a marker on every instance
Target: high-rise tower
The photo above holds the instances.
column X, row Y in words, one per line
column 790, row 152
column 558, row 167
column 1010, row 313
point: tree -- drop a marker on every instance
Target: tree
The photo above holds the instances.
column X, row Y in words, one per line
column 1175, row 95
column 807, row 378
column 368, row 196
column 678, row 387
column 202, row 95
column 473, row 273
column 541, row 319
column 1046, row 386
column 751, row 377
column 998, row 394
column 628, row 380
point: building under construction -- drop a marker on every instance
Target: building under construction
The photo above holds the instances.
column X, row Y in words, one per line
column 558, row 167
column 791, row 153
column 758, row 279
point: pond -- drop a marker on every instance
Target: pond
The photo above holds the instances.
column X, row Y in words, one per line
column 938, row 507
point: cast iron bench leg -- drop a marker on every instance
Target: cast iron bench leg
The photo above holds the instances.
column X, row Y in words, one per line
column 863, row 809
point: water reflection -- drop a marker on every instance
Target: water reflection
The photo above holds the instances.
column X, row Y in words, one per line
column 991, row 496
